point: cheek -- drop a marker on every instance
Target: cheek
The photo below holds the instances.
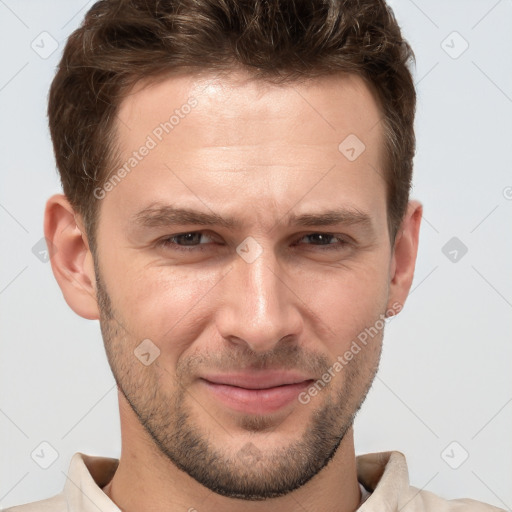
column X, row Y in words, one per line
column 164, row 303
column 347, row 303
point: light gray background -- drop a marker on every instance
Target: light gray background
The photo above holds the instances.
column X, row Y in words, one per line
column 445, row 373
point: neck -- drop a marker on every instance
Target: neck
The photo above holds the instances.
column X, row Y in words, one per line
column 147, row 480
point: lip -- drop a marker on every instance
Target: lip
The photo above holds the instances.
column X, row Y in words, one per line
column 261, row 392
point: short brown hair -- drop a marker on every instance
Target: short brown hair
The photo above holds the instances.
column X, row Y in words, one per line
column 121, row 42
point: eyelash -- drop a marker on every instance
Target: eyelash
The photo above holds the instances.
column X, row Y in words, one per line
column 167, row 242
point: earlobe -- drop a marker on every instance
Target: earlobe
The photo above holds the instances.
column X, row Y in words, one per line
column 403, row 259
column 70, row 257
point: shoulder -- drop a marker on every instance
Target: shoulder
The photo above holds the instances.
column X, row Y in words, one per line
column 386, row 476
column 86, row 477
column 55, row 504
column 420, row 500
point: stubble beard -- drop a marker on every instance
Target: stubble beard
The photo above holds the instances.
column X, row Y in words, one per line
column 251, row 472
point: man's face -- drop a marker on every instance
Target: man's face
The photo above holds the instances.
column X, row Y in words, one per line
column 226, row 313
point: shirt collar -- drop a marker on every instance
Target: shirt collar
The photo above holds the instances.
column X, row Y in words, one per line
column 384, row 475
column 84, row 482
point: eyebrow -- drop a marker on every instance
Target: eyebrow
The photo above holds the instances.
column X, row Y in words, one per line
column 168, row 215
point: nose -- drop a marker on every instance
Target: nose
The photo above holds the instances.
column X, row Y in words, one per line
column 259, row 306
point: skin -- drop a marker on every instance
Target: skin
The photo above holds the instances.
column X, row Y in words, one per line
column 258, row 153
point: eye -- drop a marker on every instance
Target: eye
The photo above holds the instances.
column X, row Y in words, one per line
column 185, row 241
column 199, row 241
column 326, row 241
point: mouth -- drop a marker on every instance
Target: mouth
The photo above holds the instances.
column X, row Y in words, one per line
column 259, row 392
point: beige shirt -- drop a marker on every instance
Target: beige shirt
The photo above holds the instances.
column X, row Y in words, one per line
column 384, row 475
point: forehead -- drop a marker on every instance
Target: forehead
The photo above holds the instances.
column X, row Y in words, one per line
column 323, row 109
column 226, row 141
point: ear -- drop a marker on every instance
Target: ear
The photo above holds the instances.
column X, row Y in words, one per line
column 403, row 260
column 70, row 257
